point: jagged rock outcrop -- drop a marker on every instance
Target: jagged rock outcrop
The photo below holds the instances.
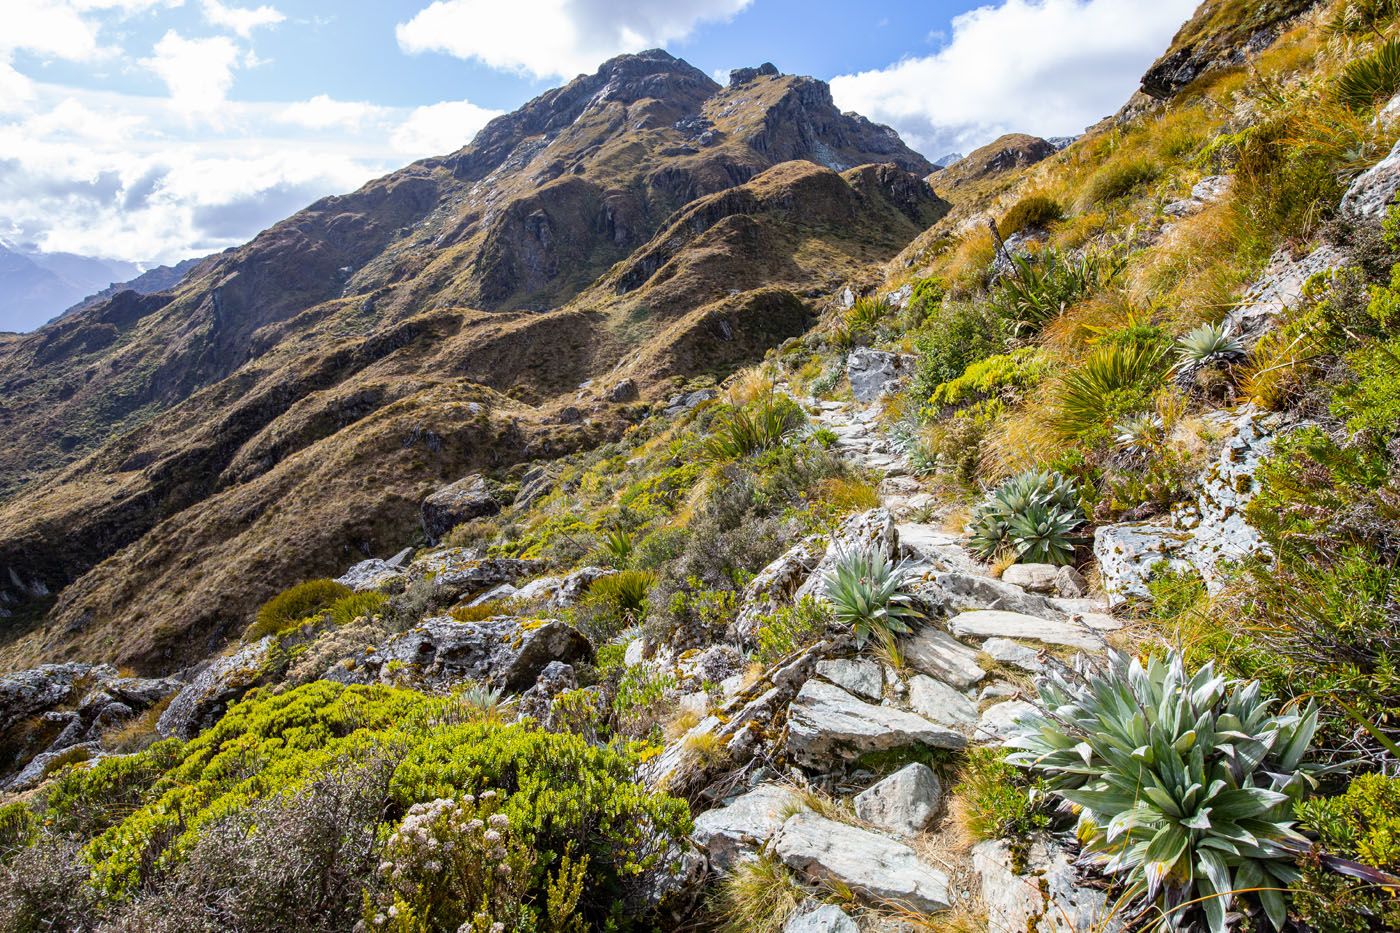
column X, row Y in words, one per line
column 826, row 725
column 468, row 498
column 904, row 803
column 874, row 374
column 1045, row 895
column 223, row 682
column 1219, row 34
column 741, row 828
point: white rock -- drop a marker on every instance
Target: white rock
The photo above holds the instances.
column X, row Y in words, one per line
column 943, row 657
column 1033, row 578
column 1070, row 583
column 940, row 703
column 1014, row 653
column 820, row 918
column 861, row 677
column 1129, row 553
column 903, row 803
column 635, row 652
column 999, row 721
column 999, row 690
column 1278, row 289
column 875, row 868
column 994, row 623
column 774, row 586
column 865, row 531
column 1374, row 189
column 738, row 830
column 876, row 373
column 825, row 723
column 1046, row 898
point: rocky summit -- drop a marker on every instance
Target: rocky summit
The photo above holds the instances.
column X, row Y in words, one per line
column 684, row 508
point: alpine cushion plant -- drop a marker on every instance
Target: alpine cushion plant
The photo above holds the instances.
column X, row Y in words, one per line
column 1033, row 514
column 867, row 593
column 1184, row 784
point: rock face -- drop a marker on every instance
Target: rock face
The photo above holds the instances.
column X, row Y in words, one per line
column 904, row 803
column 561, row 592
column 462, row 501
column 502, row 652
column 874, row 867
column 1203, row 536
column 1033, row 578
column 826, row 723
column 373, row 573
column 1215, row 39
column 1207, row 190
column 1047, row 896
column 1373, row 191
column 738, row 830
column 774, row 585
column 861, row 677
column 1278, row 289
column 876, row 373
column 204, row 699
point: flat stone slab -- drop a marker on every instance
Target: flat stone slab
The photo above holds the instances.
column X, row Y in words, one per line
column 997, row 623
column 1015, row 654
column 861, row 677
column 735, row 832
column 941, row 656
column 877, row 869
column 940, row 703
column 826, row 723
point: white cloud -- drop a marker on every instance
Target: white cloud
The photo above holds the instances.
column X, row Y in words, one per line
column 241, row 20
column 49, row 29
column 198, row 72
column 1048, row 67
column 555, row 38
column 440, row 128
column 322, row 112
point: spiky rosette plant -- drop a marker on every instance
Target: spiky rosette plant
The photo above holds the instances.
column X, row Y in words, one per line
column 1034, row 514
column 1184, row 784
column 866, row 590
column 1206, row 346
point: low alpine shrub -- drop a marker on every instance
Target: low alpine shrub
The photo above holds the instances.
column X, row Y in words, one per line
column 292, row 606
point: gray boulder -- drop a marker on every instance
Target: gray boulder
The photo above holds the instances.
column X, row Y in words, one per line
column 904, row 803
column 565, row 591
column 876, row 373
column 875, row 868
column 685, row 401
column 1000, row 720
column 859, row 676
column 462, row 501
column 938, row 654
column 940, row 703
column 1015, row 654
column 204, row 699
column 774, row 585
column 24, row 694
column 825, row 723
column 373, row 573
column 501, row 652
column 1033, row 578
column 624, row 391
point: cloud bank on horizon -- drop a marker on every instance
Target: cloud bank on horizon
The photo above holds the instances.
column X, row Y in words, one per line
column 149, row 131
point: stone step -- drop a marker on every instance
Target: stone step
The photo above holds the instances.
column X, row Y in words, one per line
column 981, row 624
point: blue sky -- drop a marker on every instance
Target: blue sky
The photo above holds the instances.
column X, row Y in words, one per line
column 152, row 130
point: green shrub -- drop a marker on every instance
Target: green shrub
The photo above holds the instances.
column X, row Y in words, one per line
column 1115, row 381
column 561, row 794
column 789, row 628
column 1120, row 177
column 741, row 432
column 349, row 608
column 867, row 593
column 955, row 335
column 1374, row 77
column 1005, row 375
column 1184, row 784
column 293, row 606
column 1031, row 212
column 993, row 800
column 1039, row 289
column 1369, row 403
column 1362, row 824
column 1032, row 514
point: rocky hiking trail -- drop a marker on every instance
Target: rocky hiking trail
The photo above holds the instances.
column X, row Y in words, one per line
column 963, row 680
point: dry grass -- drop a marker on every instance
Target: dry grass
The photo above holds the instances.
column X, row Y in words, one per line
column 680, row 724
column 750, row 385
column 138, row 731
column 847, row 494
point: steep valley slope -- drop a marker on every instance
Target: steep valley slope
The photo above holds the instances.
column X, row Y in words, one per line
column 285, row 408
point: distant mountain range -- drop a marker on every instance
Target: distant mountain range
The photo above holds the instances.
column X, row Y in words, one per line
column 36, row 287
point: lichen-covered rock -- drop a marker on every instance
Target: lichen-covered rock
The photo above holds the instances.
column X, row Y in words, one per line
column 1278, row 289
column 562, row 592
column 1207, row 190
column 904, row 803
column 936, row 653
column 1047, row 895
column 876, row 373
column 875, row 868
column 1202, row 536
column 685, row 401
column 737, row 831
column 457, row 573
column 871, row 531
column 462, row 501
column 26, row 693
column 774, row 585
column 373, row 573
column 1015, row 654
column 204, row 699
column 1373, row 191
column 504, row 652
column 1033, row 578
column 994, row 623
column 826, row 724
column 954, row 591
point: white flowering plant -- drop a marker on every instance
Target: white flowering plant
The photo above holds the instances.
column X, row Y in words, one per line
column 453, row 864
